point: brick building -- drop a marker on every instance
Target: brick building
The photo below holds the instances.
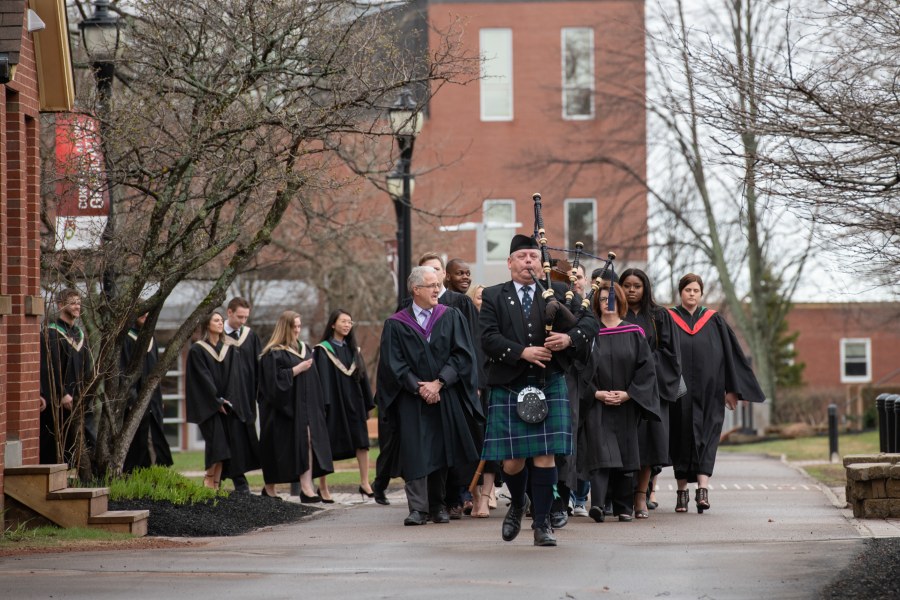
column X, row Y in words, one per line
column 560, row 111
column 35, row 76
column 847, row 347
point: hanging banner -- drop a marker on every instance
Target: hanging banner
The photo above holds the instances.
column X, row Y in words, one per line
column 81, row 187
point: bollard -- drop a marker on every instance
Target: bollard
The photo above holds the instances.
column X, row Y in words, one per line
column 896, row 421
column 833, row 433
column 882, row 422
column 889, row 418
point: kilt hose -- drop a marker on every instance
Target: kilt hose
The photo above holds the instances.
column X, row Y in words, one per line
column 508, row 436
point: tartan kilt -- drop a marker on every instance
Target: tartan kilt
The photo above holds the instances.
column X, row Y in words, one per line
column 508, row 436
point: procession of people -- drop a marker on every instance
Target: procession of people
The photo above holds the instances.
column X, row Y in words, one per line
column 569, row 391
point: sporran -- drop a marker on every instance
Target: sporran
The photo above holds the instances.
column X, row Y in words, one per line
column 531, row 405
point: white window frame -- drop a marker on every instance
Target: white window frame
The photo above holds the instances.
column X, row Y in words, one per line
column 571, row 202
column 566, row 87
column 490, row 82
column 179, row 399
column 856, row 378
column 502, row 231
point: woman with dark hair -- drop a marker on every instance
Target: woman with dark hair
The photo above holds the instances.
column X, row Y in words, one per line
column 209, row 380
column 293, row 440
column 348, row 397
column 653, row 436
column 620, row 390
column 717, row 375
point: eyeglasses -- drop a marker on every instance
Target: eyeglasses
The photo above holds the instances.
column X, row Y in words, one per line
column 604, row 298
column 433, row 286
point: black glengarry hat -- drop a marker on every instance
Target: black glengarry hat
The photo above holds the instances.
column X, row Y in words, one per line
column 523, row 242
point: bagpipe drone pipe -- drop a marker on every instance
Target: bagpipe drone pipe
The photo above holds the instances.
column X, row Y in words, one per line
column 563, row 316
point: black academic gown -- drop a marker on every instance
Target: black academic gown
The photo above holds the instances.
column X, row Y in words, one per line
column 292, row 414
column 653, row 436
column 150, row 432
column 348, row 398
column 607, row 435
column 66, row 368
column 712, row 364
column 211, row 378
column 432, row 436
column 247, row 388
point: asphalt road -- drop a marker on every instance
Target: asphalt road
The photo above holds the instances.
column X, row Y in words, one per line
column 771, row 533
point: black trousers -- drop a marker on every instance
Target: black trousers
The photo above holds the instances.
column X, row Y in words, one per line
column 619, row 484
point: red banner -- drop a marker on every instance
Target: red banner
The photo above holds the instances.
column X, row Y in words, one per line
column 81, row 186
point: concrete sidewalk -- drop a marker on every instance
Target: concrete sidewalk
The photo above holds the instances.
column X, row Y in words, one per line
column 771, row 533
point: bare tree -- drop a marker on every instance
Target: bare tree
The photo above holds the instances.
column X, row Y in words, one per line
column 227, row 116
column 710, row 71
column 835, row 114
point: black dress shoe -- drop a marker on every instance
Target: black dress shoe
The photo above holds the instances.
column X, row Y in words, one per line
column 324, row 500
column 597, row 514
column 440, row 516
column 512, row 522
column 543, row 536
column 415, row 518
column 266, row 494
column 379, row 496
column 559, row 519
column 304, row 499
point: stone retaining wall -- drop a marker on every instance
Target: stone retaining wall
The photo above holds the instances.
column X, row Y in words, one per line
column 873, row 485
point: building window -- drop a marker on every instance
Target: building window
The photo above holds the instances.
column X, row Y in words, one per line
column 578, row 73
column 496, row 74
column 496, row 239
column 856, row 360
column 172, row 388
column 581, row 222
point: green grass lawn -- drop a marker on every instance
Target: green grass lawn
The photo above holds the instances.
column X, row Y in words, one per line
column 811, row 448
column 814, row 448
column 344, row 479
column 48, row 536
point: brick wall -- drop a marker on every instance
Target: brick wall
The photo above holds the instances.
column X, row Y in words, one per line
column 821, row 328
column 19, row 259
column 511, row 159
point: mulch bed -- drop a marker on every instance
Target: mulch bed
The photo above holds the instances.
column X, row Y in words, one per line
column 234, row 515
column 872, row 575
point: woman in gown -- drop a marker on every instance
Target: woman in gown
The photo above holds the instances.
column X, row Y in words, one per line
column 620, row 390
column 717, row 375
column 209, row 380
column 653, row 436
column 293, row 437
column 348, row 397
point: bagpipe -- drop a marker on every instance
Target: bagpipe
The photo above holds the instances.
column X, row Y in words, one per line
column 563, row 316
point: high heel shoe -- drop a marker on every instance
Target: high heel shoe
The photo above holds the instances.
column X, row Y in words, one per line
column 304, row 499
column 651, row 504
column 266, row 494
column 324, row 499
column 640, row 513
column 683, row 497
column 365, row 493
column 701, row 497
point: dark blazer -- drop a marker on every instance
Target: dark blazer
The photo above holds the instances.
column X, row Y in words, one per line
column 505, row 333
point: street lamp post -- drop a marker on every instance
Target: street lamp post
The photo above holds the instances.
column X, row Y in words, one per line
column 101, row 35
column 406, row 123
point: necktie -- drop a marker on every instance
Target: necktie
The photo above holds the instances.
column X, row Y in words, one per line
column 424, row 315
column 235, row 334
column 526, row 300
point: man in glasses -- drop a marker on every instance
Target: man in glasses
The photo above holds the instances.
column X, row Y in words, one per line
column 427, row 388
